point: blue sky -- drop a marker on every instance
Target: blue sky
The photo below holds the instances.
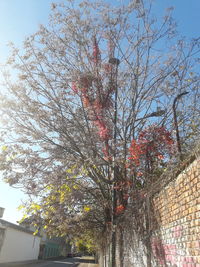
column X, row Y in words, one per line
column 186, row 14
column 20, row 18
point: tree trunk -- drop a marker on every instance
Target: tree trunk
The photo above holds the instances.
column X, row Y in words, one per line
column 121, row 246
column 113, row 252
column 148, row 242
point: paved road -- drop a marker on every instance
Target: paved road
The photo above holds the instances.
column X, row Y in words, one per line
column 69, row 262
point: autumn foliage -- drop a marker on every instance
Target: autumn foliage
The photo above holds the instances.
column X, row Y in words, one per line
column 150, row 151
column 154, row 143
column 78, row 128
column 96, row 99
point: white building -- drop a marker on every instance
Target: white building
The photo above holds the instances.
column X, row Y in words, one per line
column 17, row 243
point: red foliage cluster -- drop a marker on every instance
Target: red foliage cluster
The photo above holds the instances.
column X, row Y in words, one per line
column 96, row 99
column 119, row 209
column 153, row 144
column 123, row 185
column 122, row 188
column 157, row 134
column 136, row 150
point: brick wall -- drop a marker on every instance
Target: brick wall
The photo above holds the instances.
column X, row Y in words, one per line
column 174, row 225
column 176, row 236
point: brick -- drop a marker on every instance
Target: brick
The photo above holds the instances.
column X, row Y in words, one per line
column 192, row 176
column 197, row 244
column 189, row 265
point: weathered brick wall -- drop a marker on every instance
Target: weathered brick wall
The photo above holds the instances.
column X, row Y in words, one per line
column 174, row 226
column 176, row 236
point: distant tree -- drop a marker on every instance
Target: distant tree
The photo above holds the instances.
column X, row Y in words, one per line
column 88, row 87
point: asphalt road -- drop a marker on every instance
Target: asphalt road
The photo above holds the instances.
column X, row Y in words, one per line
column 68, row 262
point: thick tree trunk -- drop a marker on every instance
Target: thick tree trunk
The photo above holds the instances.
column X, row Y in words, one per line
column 114, row 249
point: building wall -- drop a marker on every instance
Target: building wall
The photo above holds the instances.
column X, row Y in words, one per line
column 19, row 246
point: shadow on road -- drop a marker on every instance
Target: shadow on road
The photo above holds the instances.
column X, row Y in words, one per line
column 85, row 260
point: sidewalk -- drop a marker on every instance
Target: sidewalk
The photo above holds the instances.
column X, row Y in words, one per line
column 88, row 262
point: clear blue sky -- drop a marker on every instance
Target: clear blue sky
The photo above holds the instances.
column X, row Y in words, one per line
column 20, row 18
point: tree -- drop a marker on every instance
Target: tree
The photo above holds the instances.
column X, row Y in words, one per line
column 88, row 85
